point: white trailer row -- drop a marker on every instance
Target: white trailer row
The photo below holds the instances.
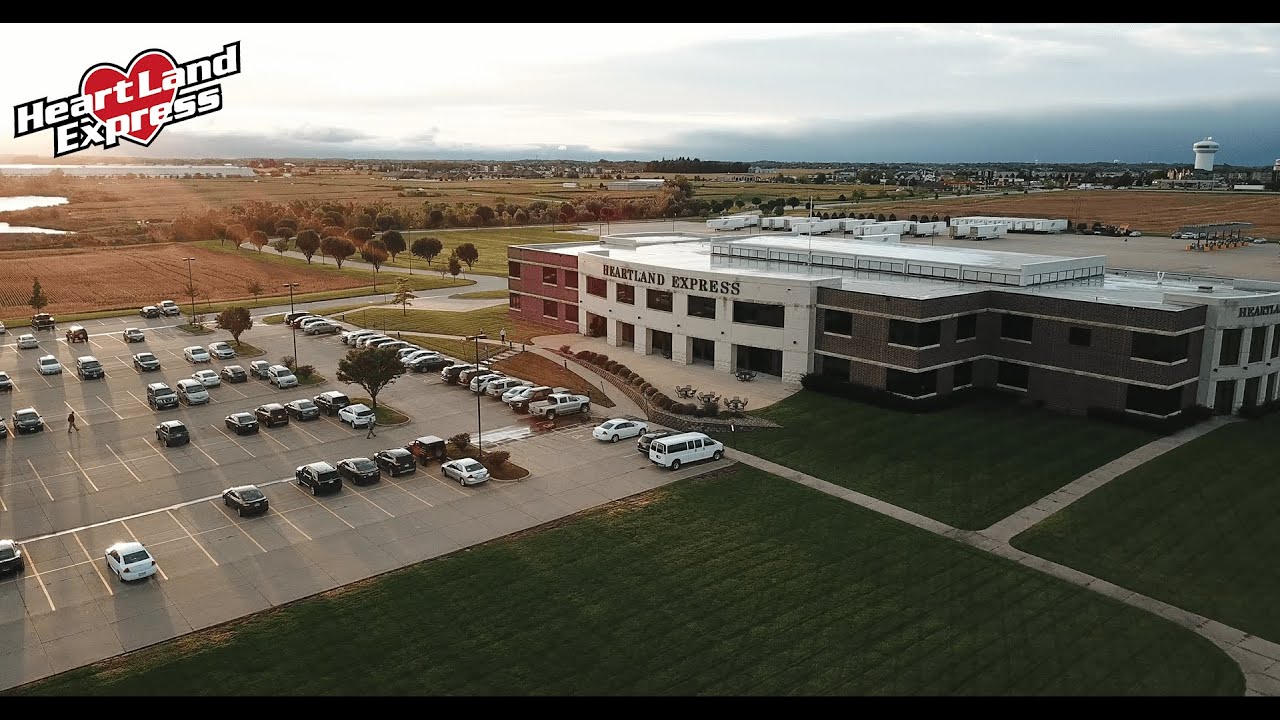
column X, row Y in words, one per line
column 1012, row 224
column 926, row 229
column 979, row 232
column 734, row 222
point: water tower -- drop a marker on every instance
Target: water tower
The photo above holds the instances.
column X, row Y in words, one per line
column 1205, row 150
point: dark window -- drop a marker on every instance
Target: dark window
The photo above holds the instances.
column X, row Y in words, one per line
column 1230, row 354
column 571, row 312
column 1013, row 375
column 1015, row 327
column 570, row 279
column 658, row 300
column 966, row 327
column 962, row 375
column 834, row 367
column 1161, row 348
column 597, row 286
column 838, row 322
column 513, row 300
column 1080, row 336
column 1257, row 344
column 703, row 307
column 1154, row 401
column 549, row 308
column 1275, row 341
column 625, row 293
column 513, row 268
column 911, row 384
column 914, row 334
column 751, row 313
column 549, row 276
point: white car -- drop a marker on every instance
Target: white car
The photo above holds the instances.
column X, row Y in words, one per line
column 196, row 354
column 396, row 345
column 497, row 387
column 405, row 352
column 207, row 378
column 480, row 383
column 281, row 376
column 410, row 358
column 49, row 365
column 308, row 322
column 221, row 350
column 364, row 341
column 5, row 382
column 350, row 337
column 130, row 561
column 466, row 471
column 615, row 430
column 28, row 341
column 2, row 329
column 320, row 328
column 358, row 415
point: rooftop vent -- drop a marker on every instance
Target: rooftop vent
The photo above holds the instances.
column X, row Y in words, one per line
column 1205, row 288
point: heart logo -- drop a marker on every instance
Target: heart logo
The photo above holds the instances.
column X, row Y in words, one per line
column 104, row 77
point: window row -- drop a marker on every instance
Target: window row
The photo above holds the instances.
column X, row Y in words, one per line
column 550, row 308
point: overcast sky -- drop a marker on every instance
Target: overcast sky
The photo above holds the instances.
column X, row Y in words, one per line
column 805, row 92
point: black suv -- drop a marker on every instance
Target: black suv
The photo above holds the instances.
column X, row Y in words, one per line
column 150, row 311
column 331, row 402
column 27, row 420
column 396, row 461
column 318, row 476
column 234, row 374
column 359, row 471
column 172, row 432
column 43, row 321
column 272, row 414
column 11, row 558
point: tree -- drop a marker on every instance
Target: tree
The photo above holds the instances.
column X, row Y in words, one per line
column 255, row 289
column 338, row 248
column 455, row 266
column 468, row 254
column 280, row 245
column 220, row 232
column 394, row 242
column 360, row 236
column 880, row 217
column 237, row 233
column 893, row 217
column 755, row 201
column 235, row 320
column 485, row 213
column 435, row 218
column 793, row 201
column 308, row 244
column 427, row 248
column 374, row 253
column 404, row 293
column 385, row 222
column 258, row 239
column 38, row 299
column 286, row 233
column 371, row 368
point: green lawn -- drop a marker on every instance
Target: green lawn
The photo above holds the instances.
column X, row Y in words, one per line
column 245, row 350
column 490, row 242
column 1197, row 527
column 967, row 466
column 737, row 583
column 386, row 283
column 456, row 349
column 490, row 320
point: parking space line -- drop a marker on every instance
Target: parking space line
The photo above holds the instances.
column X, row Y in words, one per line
column 82, row 472
column 94, row 564
column 3, row 507
column 202, row 452
column 135, row 539
column 37, row 473
column 29, row 561
column 272, row 439
column 283, row 517
column 193, row 537
column 79, row 419
column 411, row 493
column 223, row 509
column 162, row 457
column 135, row 397
column 113, row 410
column 357, row 492
column 326, row 507
column 304, row 432
column 448, row 485
column 232, row 439
column 122, row 462
column 234, row 389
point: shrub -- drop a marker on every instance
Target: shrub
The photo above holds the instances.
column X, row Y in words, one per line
column 648, row 390
column 583, row 354
column 600, row 359
column 565, row 349
column 611, row 366
column 497, row 458
column 289, row 361
column 636, row 380
column 692, row 409
column 304, row 371
column 623, row 370
column 461, row 440
column 1256, row 411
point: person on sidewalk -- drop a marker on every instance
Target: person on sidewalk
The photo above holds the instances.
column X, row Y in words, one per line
column 71, row 422
column 371, row 433
column 503, row 336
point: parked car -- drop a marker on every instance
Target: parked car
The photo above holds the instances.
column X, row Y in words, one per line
column 161, row 396
column 496, row 388
column 557, row 404
column 246, row 500
column 318, row 476
column 170, row 308
column 425, row 362
column 522, row 392
column 272, row 414
column 466, row 471
column 4, row 429
column 42, row 321
column 464, row 377
column 130, row 561
column 27, row 341
column 196, row 354
column 427, row 448
column 359, row 471
column 407, row 350
column 410, row 355
column 5, row 383
column 241, row 423
column 234, row 374
column 11, row 558
column 281, row 376
column 132, row 335
column 302, row 409
column 26, row 420
column 297, row 322
column 77, row 334
column 396, row 461
column 290, row 317
column 146, row 361
column 331, row 402
column 617, row 429
column 321, row 328
column 150, row 312
column 221, row 350
column 351, row 337
column 480, row 382
column 172, row 432
column 49, row 365
column 305, row 323
column 676, row 450
column 450, row 374
column 88, row 368
column 2, row 329
column 207, row 378
column 396, row 345
column 358, row 415
column 192, row 392
column 258, row 369
column 647, row 439
column 364, row 342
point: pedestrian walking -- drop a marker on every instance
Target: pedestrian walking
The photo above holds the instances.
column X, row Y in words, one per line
column 503, row 335
column 371, row 433
column 71, row 422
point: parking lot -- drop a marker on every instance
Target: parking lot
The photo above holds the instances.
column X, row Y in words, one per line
column 66, row 497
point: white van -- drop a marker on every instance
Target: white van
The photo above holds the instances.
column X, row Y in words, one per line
column 675, row 450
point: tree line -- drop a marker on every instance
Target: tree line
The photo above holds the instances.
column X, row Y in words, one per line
column 694, row 165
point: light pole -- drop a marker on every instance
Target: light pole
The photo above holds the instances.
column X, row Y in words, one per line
column 191, row 285
column 479, row 431
column 291, row 286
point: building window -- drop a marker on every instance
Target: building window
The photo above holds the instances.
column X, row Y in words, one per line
column 1230, row 354
column 1013, row 375
column 513, row 269
column 750, row 313
column 571, row 312
column 962, row 375
column 966, row 327
column 914, row 334
column 570, row 279
column 624, row 293
column 549, row 276
column 1160, row 348
column 1016, row 327
column 597, row 286
column 513, row 301
column 1257, row 344
column 658, row 300
column 703, row 307
column 1275, row 341
column 837, row 322
column 913, row 385
column 549, row 309
column 1153, row 401
column 835, row 367
column 1080, row 336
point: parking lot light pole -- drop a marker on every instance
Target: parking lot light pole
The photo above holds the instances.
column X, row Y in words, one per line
column 291, row 286
column 479, row 431
column 191, row 284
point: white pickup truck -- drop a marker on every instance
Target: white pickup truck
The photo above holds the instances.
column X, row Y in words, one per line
column 560, row 404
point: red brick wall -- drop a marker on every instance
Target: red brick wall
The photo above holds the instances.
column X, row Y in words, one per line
column 535, row 292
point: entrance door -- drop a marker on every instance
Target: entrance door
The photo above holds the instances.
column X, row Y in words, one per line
column 1224, row 396
column 704, row 351
column 1251, row 387
column 760, row 360
column 597, row 325
column 660, row 343
column 626, row 333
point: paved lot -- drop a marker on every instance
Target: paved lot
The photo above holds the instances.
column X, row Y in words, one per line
column 66, row 497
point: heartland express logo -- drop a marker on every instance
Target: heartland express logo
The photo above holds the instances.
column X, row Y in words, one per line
column 678, row 282
column 116, row 104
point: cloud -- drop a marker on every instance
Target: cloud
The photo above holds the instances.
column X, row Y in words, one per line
column 327, row 134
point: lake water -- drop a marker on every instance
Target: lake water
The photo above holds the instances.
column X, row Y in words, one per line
column 145, row 170
column 25, row 202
